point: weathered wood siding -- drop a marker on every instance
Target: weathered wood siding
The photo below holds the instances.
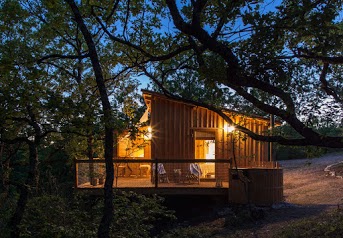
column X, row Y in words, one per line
column 204, row 119
column 173, row 134
column 171, row 130
column 174, row 123
column 265, row 187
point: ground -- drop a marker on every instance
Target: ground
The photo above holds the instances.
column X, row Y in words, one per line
column 306, row 183
column 308, row 191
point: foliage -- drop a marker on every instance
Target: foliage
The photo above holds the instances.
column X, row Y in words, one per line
column 44, row 89
column 266, row 57
column 283, row 152
column 232, row 219
column 55, row 216
column 326, row 225
column 137, row 215
column 8, row 203
column 281, row 60
column 56, row 173
column 51, row 216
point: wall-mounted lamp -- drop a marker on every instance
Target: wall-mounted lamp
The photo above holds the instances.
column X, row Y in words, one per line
column 148, row 134
column 229, row 128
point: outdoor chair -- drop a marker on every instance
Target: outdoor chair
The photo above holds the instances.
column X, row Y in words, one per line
column 194, row 173
column 162, row 173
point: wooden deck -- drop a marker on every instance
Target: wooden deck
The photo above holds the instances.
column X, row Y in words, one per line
column 261, row 184
column 163, row 191
column 144, row 185
column 145, row 182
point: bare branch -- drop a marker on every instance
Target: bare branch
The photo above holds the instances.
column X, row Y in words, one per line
column 114, row 8
column 126, row 18
column 307, row 54
column 59, row 56
column 325, row 85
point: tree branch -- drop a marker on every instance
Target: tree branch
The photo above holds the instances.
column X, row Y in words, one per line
column 327, row 141
column 59, row 56
column 325, row 84
column 114, row 8
column 140, row 49
column 308, row 54
column 198, row 6
column 237, row 78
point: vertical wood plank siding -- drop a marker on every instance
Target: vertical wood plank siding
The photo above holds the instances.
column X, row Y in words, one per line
column 173, row 128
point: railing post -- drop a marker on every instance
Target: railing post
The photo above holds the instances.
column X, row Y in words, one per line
column 156, row 174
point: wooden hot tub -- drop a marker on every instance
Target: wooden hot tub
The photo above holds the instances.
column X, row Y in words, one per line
column 260, row 186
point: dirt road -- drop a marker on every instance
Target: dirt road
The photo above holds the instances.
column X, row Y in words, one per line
column 308, row 192
column 306, row 183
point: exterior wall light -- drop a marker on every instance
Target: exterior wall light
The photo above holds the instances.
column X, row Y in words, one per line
column 148, row 134
column 229, row 128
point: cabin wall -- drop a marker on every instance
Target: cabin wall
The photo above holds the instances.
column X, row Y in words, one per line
column 248, row 149
column 245, row 149
column 174, row 124
column 171, row 130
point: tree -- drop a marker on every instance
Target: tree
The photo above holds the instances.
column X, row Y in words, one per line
column 270, row 59
column 209, row 53
column 26, row 114
column 265, row 64
column 76, row 50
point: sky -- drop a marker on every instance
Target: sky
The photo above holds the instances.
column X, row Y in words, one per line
column 269, row 5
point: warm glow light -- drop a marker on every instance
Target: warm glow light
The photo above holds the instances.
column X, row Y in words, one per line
column 229, row 129
column 148, row 135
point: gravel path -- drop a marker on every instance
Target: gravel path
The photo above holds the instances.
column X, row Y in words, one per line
column 308, row 192
column 306, row 183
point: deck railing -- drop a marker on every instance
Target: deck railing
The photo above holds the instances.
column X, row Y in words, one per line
column 154, row 173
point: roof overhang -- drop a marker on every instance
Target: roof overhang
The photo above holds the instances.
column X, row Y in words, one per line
column 149, row 95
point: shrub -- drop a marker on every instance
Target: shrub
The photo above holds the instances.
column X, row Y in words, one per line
column 54, row 216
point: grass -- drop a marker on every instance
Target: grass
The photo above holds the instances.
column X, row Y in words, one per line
column 231, row 224
column 326, row 225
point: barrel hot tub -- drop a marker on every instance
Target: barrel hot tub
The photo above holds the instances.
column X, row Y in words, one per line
column 259, row 186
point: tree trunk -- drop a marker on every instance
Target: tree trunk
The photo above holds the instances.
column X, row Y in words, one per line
column 104, row 227
column 31, row 184
column 90, row 150
column 90, row 157
column 5, row 165
column 5, row 176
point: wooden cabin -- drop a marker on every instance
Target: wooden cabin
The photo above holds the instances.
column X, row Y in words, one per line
column 179, row 135
column 182, row 131
column 179, row 130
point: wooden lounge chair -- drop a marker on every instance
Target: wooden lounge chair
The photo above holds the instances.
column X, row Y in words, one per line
column 162, row 174
column 194, row 173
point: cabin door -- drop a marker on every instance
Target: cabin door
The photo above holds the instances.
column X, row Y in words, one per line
column 205, row 149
